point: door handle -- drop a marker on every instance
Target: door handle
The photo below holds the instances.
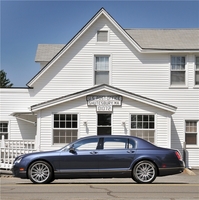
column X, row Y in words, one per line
column 130, row 151
column 93, row 152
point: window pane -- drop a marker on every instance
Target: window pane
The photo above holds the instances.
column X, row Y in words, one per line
column 133, row 117
column 62, row 117
column 178, row 63
column 139, row 118
column 68, row 117
column 102, row 36
column 133, row 124
column 144, row 134
column 197, row 77
column 56, row 124
column 178, row 78
column 145, row 125
column 74, row 125
column 114, row 143
column 145, row 118
column 68, row 124
column 191, row 138
column 74, row 117
column 3, row 127
column 151, row 125
column 139, row 125
column 102, row 64
column 151, row 118
column 56, row 117
column 101, row 77
column 103, row 130
column 104, row 119
column 64, row 136
column 197, row 62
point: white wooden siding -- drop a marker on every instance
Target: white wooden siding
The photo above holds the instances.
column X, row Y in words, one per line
column 89, row 114
column 16, row 100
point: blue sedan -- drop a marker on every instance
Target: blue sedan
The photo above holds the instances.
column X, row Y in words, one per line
column 100, row 157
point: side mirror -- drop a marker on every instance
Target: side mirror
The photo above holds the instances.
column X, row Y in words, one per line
column 72, row 150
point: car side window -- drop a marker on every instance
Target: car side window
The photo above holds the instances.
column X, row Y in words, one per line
column 115, row 143
column 131, row 144
column 87, row 144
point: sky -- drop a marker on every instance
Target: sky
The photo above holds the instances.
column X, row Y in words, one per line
column 25, row 24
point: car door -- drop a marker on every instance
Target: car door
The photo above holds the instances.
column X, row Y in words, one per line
column 81, row 159
column 116, row 155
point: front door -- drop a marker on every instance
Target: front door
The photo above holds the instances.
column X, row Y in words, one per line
column 104, row 124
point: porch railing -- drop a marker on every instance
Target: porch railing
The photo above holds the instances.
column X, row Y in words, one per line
column 10, row 149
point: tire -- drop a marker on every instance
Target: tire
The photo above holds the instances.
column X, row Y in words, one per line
column 144, row 172
column 40, row 172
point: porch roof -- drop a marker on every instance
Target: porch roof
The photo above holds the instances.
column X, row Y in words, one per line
column 100, row 88
column 29, row 117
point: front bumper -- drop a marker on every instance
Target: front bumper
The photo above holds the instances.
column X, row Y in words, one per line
column 17, row 172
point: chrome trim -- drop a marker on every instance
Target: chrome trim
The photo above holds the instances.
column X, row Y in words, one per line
column 92, row 170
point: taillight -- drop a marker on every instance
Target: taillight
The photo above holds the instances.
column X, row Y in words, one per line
column 178, row 155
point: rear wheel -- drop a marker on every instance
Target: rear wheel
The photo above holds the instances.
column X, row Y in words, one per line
column 40, row 172
column 144, row 172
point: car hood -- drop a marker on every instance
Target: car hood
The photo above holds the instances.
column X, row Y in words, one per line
column 41, row 153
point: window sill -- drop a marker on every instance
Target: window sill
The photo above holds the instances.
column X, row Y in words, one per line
column 178, row 87
column 195, row 146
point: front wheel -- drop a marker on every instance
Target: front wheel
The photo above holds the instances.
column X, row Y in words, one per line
column 144, row 172
column 40, row 172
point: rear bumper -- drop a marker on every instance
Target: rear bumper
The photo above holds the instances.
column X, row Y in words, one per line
column 172, row 170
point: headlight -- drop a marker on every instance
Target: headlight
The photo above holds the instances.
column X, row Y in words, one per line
column 18, row 160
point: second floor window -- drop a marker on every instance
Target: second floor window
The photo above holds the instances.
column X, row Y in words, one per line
column 101, row 70
column 178, row 70
column 197, row 71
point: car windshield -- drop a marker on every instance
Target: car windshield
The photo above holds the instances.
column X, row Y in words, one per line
column 65, row 148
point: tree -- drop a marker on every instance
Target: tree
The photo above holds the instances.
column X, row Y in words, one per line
column 4, row 82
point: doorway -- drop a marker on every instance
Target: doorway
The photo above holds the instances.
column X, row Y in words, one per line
column 104, row 124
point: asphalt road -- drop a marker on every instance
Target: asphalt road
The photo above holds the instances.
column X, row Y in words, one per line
column 177, row 187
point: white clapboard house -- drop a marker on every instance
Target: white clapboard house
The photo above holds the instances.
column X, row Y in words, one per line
column 108, row 80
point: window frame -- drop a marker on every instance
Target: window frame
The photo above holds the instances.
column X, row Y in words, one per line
column 3, row 133
column 72, row 139
column 95, row 68
column 178, row 70
column 196, row 133
column 137, row 130
column 102, row 30
column 104, row 126
column 196, row 70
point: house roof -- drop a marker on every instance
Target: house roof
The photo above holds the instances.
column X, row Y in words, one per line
column 45, row 52
column 162, row 39
column 103, row 88
column 166, row 39
column 142, row 45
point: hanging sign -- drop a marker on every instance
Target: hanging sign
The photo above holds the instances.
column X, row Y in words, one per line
column 104, row 103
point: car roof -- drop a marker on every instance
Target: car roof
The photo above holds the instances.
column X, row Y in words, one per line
column 141, row 143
